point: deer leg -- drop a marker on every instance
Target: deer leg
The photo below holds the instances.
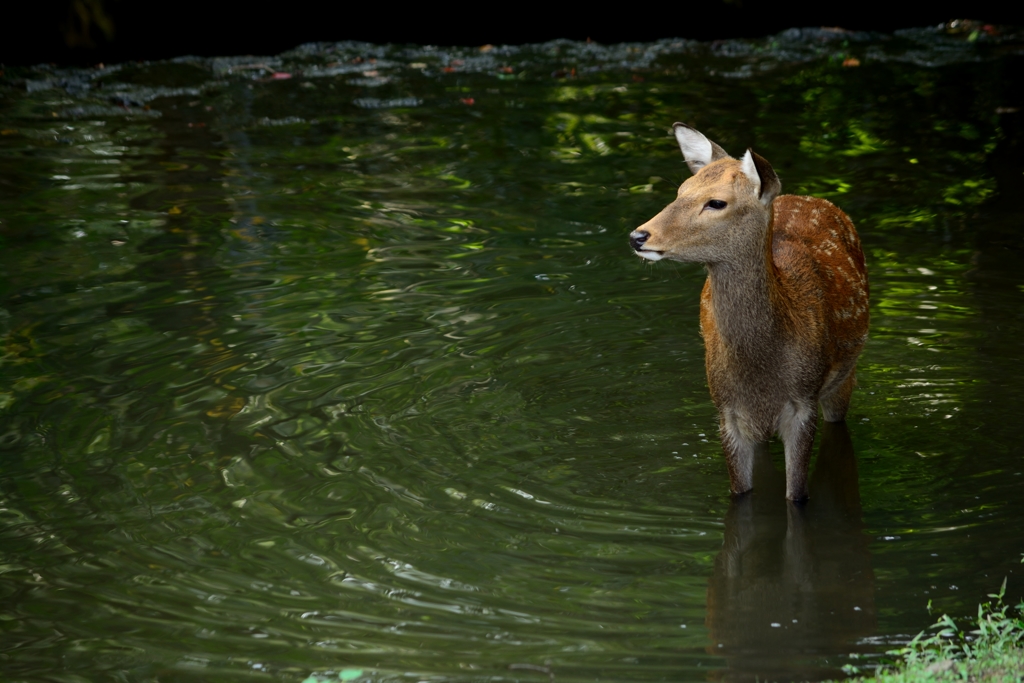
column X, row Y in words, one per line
column 835, row 403
column 739, row 454
column 797, row 425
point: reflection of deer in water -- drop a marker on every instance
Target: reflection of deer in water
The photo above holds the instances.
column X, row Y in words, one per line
column 793, row 584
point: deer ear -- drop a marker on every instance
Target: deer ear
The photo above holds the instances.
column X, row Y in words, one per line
column 762, row 176
column 697, row 149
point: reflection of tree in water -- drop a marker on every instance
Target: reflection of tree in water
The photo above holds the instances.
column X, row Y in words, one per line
column 793, row 582
column 188, row 265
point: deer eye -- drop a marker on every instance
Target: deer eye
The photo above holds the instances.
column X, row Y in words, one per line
column 715, row 204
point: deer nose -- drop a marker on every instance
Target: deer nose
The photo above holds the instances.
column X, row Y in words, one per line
column 637, row 239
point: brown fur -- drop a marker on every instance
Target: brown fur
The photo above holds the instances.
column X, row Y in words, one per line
column 784, row 311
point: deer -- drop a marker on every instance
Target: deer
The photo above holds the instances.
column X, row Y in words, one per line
column 784, row 310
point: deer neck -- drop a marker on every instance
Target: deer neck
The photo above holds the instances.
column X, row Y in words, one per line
column 745, row 297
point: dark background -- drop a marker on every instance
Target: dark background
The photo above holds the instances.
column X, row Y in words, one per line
column 85, row 32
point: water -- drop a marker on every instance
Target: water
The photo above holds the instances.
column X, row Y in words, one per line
column 338, row 364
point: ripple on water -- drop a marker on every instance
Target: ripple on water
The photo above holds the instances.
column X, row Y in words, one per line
column 354, row 370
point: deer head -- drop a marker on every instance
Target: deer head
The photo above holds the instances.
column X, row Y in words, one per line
column 720, row 214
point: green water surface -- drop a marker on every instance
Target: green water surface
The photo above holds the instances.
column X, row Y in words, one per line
column 337, row 364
